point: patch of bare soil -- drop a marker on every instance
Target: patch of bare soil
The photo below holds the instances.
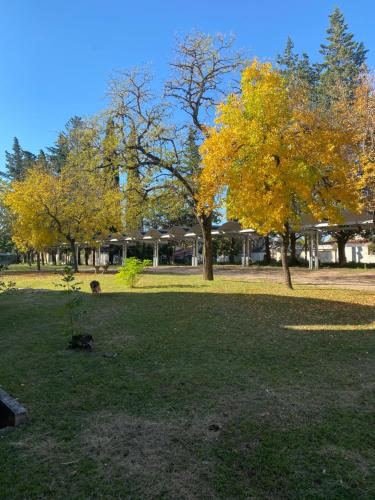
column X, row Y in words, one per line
column 161, row 457
column 356, row 279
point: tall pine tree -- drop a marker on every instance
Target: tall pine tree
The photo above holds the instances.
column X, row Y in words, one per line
column 42, row 160
column 17, row 162
column 58, row 153
column 343, row 60
column 297, row 68
column 111, row 157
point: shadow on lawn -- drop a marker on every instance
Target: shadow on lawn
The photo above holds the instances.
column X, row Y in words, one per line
column 288, row 313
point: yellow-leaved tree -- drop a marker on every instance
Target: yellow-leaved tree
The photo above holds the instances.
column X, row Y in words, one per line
column 274, row 156
column 69, row 207
column 362, row 117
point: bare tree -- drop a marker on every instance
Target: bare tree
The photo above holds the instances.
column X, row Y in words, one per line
column 202, row 72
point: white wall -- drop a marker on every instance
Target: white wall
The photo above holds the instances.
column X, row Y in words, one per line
column 358, row 252
column 354, row 252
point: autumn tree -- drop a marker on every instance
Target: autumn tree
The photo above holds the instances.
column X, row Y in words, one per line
column 71, row 206
column 201, row 68
column 358, row 115
column 6, row 243
column 362, row 118
column 298, row 72
column 273, row 157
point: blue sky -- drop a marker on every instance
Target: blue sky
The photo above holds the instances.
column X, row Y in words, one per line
column 56, row 56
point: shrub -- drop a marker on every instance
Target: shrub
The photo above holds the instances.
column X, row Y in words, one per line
column 72, row 299
column 130, row 272
column 6, row 286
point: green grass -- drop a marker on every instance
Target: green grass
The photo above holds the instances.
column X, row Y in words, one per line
column 219, row 390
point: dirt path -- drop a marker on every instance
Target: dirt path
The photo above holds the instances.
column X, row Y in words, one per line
column 357, row 279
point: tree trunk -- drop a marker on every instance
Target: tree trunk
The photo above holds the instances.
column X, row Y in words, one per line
column 94, row 257
column 232, row 250
column 53, row 254
column 284, row 257
column 206, row 225
column 341, row 239
column 74, row 254
column 267, row 254
column 341, row 251
column 87, row 255
column 38, row 261
column 43, row 260
column 293, row 251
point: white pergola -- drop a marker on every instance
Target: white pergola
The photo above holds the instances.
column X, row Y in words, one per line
column 311, row 228
column 180, row 234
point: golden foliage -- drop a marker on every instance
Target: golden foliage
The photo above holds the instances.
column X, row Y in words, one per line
column 74, row 205
column 273, row 156
column 363, row 113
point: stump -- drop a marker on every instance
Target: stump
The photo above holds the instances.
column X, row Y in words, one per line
column 81, row 342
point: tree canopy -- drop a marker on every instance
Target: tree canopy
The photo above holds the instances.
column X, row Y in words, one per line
column 76, row 204
column 274, row 157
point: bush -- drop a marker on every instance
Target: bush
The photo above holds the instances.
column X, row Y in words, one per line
column 131, row 270
column 6, row 286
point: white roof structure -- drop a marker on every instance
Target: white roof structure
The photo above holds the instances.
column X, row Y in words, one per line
column 363, row 220
column 349, row 220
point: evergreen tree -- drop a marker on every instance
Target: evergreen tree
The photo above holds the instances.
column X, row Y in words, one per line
column 28, row 161
column 42, row 160
column 18, row 162
column 134, row 194
column 344, row 59
column 57, row 154
column 288, row 60
column 13, row 162
column 298, row 69
column 192, row 157
column 111, row 157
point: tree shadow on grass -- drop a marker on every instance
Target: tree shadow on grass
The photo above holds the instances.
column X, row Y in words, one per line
column 203, row 310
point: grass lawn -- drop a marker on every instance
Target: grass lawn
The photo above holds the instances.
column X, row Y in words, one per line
column 219, row 390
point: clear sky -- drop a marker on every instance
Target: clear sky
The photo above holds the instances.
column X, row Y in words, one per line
column 56, row 56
